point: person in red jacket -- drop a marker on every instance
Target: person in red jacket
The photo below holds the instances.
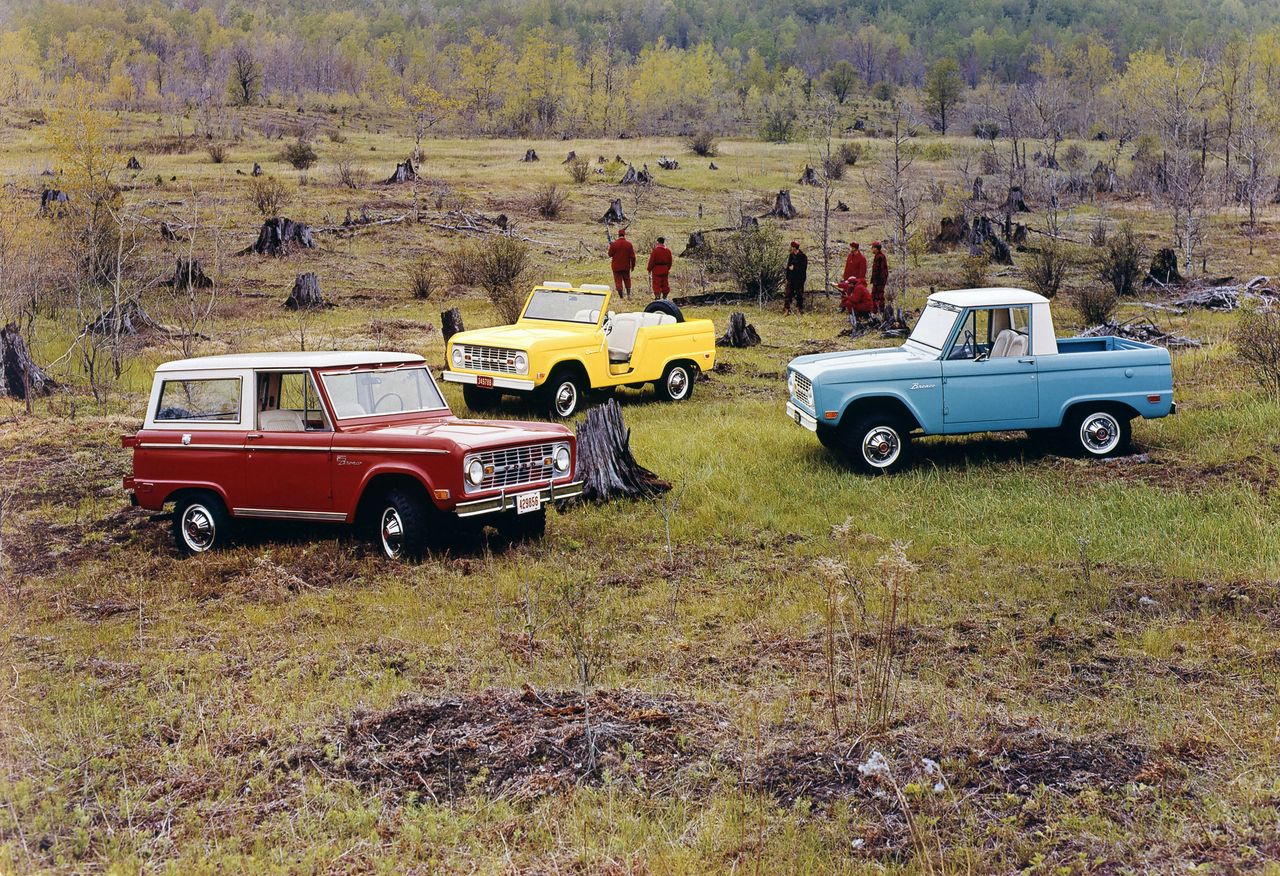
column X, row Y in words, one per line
column 879, row 274
column 855, row 263
column 856, row 299
column 622, row 259
column 660, row 268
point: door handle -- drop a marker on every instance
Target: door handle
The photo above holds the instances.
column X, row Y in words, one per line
column 1027, row 361
column 252, row 435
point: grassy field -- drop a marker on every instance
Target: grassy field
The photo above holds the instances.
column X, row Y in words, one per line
column 1085, row 665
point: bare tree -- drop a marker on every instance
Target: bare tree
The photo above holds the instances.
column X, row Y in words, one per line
column 1255, row 137
column 897, row 195
column 246, row 76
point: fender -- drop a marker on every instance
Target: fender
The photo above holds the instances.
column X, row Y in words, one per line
column 166, row 490
column 393, row 468
column 1102, row 399
column 877, row 394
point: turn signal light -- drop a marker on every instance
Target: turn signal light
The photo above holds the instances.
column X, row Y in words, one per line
column 830, row 415
column 1153, row 398
column 440, row 494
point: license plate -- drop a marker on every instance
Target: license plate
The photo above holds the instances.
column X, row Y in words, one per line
column 795, row 415
column 486, row 382
column 527, row 502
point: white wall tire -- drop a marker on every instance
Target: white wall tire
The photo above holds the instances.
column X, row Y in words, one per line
column 677, row 382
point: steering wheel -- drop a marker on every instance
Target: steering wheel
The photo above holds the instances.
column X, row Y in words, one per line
column 379, row 402
column 607, row 328
column 967, row 348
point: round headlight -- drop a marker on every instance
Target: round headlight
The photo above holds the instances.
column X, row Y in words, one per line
column 562, row 458
column 475, row 472
column 522, row 363
column 456, row 355
column 791, row 382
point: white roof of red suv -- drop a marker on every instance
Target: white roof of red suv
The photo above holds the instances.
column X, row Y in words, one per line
column 320, row 359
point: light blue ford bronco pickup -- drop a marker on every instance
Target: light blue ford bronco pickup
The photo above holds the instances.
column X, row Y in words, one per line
column 980, row 360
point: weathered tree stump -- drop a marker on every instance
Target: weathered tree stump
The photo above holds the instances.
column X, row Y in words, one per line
column 952, row 231
column 306, row 293
column 451, row 323
column 570, row 157
column 635, row 177
column 127, row 319
column 134, row 163
column 977, row 194
column 52, row 200
column 809, row 177
column 279, row 235
column 20, row 376
column 697, row 244
column 1014, row 202
column 404, row 172
column 187, row 274
column 1018, row 234
column 712, row 166
column 257, row 170
column 782, row 206
column 842, row 207
column 740, row 334
column 748, row 223
column 605, row 463
column 614, row 214
column 668, row 163
column 1164, row 269
column 530, row 155
column 985, row 235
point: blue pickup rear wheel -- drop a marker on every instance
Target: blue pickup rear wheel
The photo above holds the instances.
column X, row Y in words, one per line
column 1096, row 433
column 876, row 443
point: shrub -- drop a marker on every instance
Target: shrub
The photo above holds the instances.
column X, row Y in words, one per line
column 756, row 259
column 704, row 143
column 422, row 278
column 1256, row 338
column 1074, row 157
column 217, row 152
column 349, row 174
column 336, row 136
column 833, row 167
column 299, row 154
column 779, row 125
column 935, row 151
column 1096, row 303
column 1047, row 267
column 579, row 169
column 973, row 271
column 849, row 153
column 1120, row 263
column 268, row 195
column 986, row 130
column 882, row 91
column 500, row 266
column 460, row 267
column 549, row 201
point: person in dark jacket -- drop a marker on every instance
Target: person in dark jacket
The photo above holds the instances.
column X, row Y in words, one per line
column 797, row 269
column 855, row 263
column 879, row 275
column 622, row 259
column 660, row 269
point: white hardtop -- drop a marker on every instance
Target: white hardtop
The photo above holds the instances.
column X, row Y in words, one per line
column 994, row 296
column 272, row 361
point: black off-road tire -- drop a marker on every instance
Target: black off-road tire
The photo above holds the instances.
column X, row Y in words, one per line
column 200, row 523
column 876, row 444
column 480, row 399
column 663, row 305
column 676, row 383
column 1096, row 432
column 403, row 525
column 563, row 395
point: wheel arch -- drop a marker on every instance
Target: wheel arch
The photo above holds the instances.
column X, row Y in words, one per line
column 178, row 492
column 882, row 404
column 1115, row 406
column 380, row 481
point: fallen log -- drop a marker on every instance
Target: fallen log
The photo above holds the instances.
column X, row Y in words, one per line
column 306, row 294
column 1140, row 328
column 605, row 462
column 20, row 376
column 668, row 163
column 740, row 332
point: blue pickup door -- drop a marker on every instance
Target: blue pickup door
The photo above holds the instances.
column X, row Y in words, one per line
column 989, row 379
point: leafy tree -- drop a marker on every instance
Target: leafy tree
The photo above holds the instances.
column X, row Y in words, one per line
column 943, row 90
column 840, row 80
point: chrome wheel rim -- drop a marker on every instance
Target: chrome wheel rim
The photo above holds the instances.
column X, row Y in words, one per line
column 677, row 383
column 881, row 447
column 198, row 529
column 566, row 398
column 1100, row 433
column 392, row 530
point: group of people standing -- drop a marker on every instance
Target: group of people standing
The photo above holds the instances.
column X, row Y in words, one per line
column 856, row 298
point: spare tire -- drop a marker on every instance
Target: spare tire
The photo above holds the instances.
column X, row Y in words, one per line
column 662, row 305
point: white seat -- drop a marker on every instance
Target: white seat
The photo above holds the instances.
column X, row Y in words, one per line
column 624, row 327
column 1000, row 349
column 281, row 421
column 1018, row 347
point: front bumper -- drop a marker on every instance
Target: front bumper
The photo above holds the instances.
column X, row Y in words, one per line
column 506, row 500
column 801, row 418
column 498, row 382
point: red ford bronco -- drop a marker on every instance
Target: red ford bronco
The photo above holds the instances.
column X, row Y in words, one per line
column 357, row 438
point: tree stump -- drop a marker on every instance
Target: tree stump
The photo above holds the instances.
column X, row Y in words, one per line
column 614, row 214
column 306, row 293
column 1014, row 202
column 809, row 177
column 782, row 206
column 605, row 463
column 530, row 155
column 278, row 236
column 568, row 159
column 635, row 177
column 1103, row 178
column 696, row 246
column 20, row 377
column 187, row 274
column 51, row 200
column 842, row 207
column 712, row 166
column 127, row 319
column 740, row 334
column 952, row 231
column 977, row 194
column 257, row 170
column 749, row 223
column 451, row 323
column 668, row 163
column 404, row 172
column 134, row 163
column 1164, row 269
column 984, row 234
column 167, row 232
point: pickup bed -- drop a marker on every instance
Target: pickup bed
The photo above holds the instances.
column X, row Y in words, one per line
column 980, row 360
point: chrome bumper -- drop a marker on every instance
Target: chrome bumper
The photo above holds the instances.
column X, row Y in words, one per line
column 498, row 382
column 506, row 501
column 800, row 418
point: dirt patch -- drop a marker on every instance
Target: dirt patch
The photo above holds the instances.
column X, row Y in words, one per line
column 1145, row 469
column 520, row 744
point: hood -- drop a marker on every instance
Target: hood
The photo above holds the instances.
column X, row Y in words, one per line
column 852, row 364
column 523, row 337
column 451, row 432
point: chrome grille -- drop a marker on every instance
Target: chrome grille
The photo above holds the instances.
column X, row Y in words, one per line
column 804, row 389
column 476, row 358
column 516, row 465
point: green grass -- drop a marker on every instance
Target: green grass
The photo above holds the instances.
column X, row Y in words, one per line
column 148, row 703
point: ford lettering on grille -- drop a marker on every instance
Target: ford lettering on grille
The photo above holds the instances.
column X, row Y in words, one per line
column 516, row 466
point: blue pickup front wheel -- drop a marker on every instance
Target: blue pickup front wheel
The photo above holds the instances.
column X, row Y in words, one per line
column 876, row 444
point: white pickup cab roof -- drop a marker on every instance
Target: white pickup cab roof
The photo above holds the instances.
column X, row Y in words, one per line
column 995, row 296
column 268, row 361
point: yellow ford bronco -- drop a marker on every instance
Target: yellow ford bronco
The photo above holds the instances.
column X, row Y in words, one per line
column 567, row 343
